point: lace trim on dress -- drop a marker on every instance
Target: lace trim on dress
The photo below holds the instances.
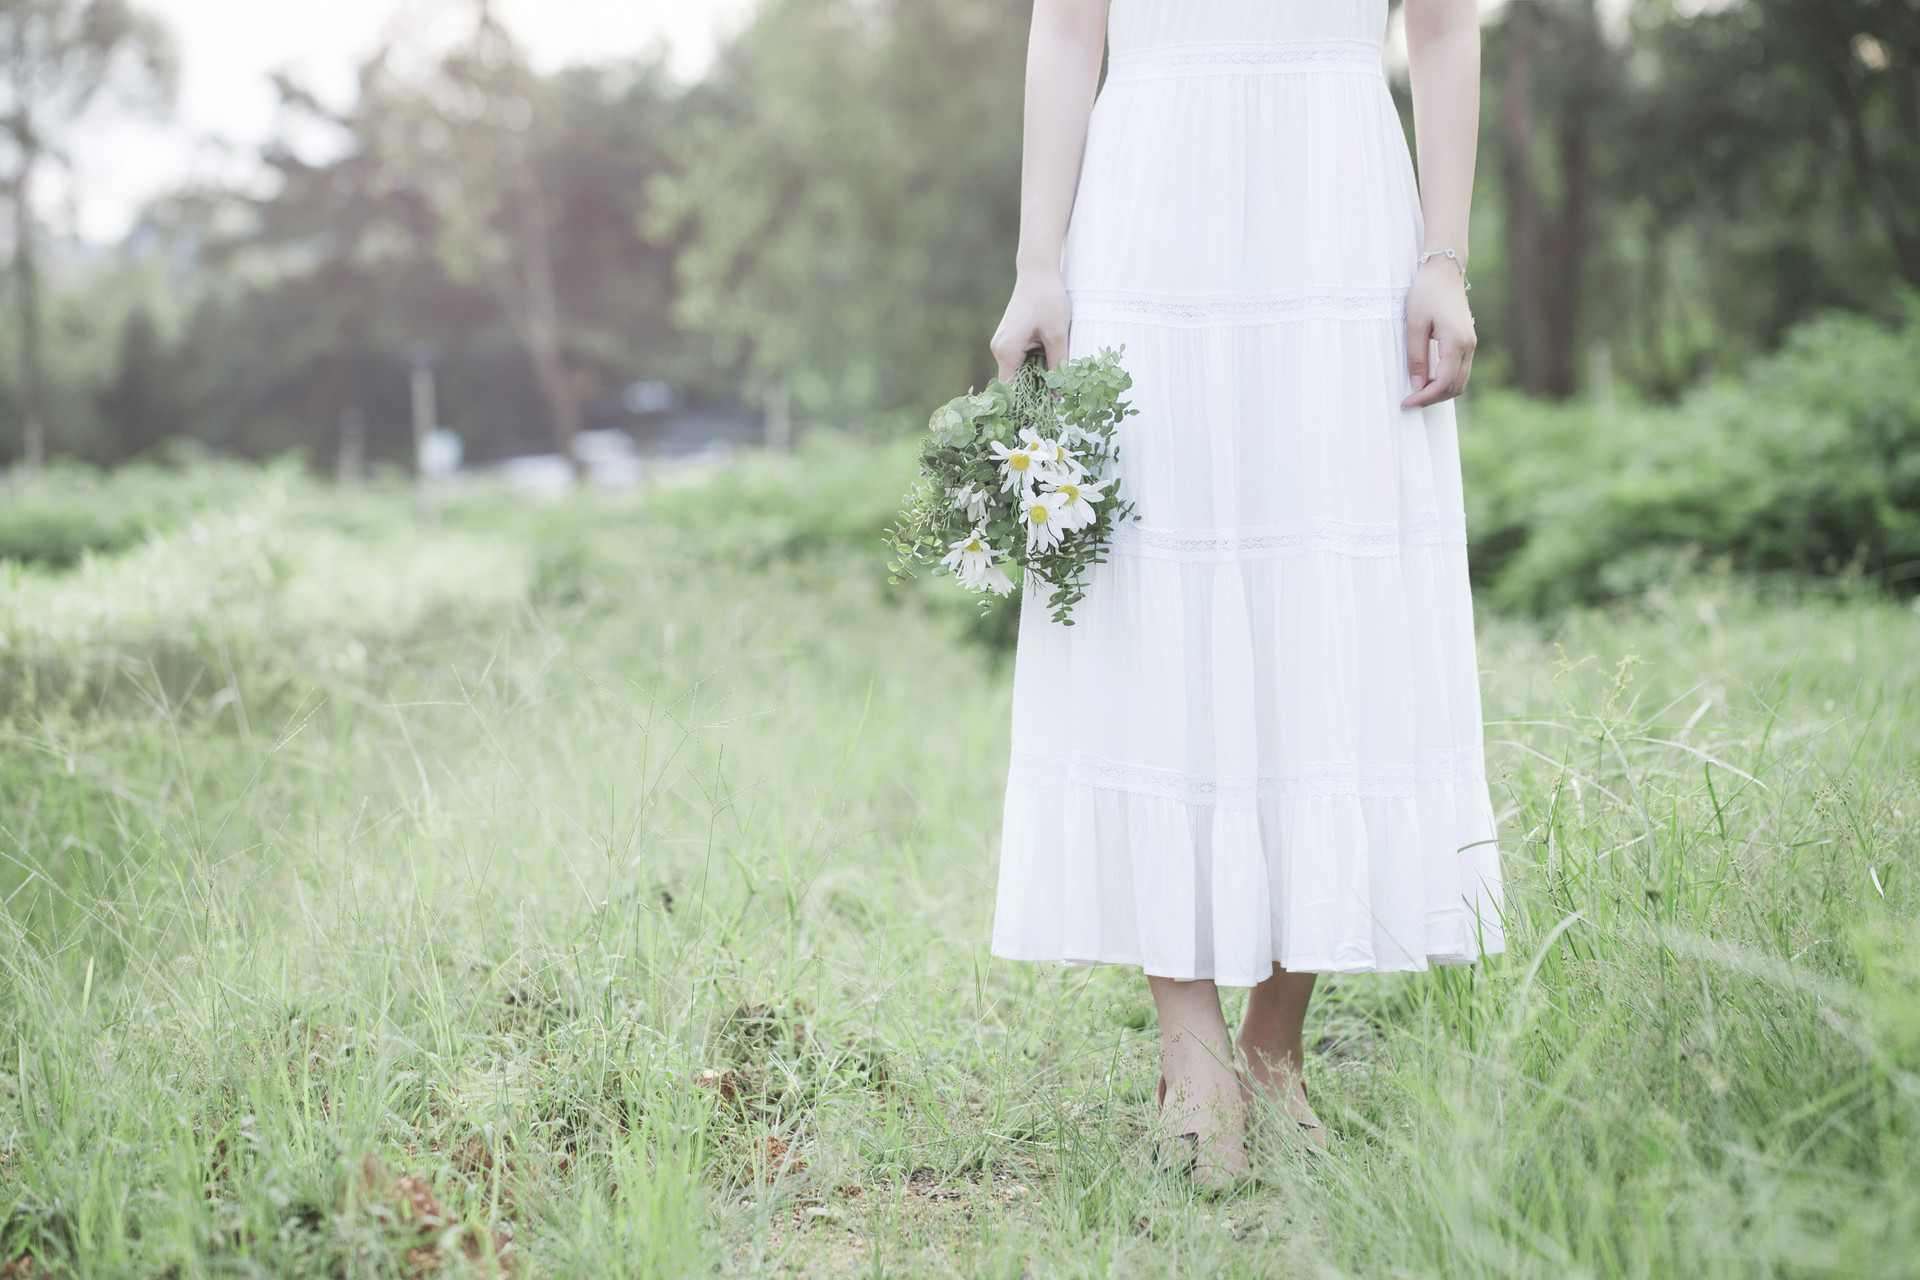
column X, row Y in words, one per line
column 1189, row 311
column 1302, row 537
column 1245, row 58
column 1323, row 778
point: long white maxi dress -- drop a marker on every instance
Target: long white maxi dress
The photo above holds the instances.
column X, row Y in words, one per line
column 1261, row 739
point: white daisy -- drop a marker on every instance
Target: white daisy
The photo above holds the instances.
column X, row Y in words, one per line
column 1051, row 456
column 970, row 559
column 1071, row 435
column 1039, row 512
column 995, row 579
column 970, row 499
column 1018, row 464
column 1076, row 502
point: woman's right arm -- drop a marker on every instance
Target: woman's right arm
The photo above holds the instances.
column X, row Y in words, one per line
column 1063, row 71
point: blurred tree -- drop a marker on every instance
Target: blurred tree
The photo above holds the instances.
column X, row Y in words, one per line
column 410, row 236
column 1786, row 105
column 1866, row 56
column 471, row 148
column 57, row 57
column 1736, row 211
column 844, row 217
column 1559, row 83
column 1668, row 188
column 139, row 402
column 1685, row 189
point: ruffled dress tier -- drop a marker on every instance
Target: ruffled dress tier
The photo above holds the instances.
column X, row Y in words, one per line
column 1261, row 738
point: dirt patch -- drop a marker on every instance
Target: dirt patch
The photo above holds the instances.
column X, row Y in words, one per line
column 411, row 1209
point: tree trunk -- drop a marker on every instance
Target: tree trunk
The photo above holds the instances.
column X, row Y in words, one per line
column 1560, row 303
column 26, row 270
column 1886, row 204
column 1824, row 36
column 350, row 465
column 540, row 315
column 1525, row 322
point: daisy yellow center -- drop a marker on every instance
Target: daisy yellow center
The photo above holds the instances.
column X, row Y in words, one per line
column 974, row 545
column 1071, row 492
column 1037, row 513
column 1018, row 461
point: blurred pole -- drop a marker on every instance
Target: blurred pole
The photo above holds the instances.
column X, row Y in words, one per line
column 778, row 410
column 1600, row 377
column 424, row 411
column 351, row 464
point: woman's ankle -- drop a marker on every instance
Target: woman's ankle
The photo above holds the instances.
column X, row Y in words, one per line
column 1272, row 1031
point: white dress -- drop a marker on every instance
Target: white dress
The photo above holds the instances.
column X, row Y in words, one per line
column 1261, row 739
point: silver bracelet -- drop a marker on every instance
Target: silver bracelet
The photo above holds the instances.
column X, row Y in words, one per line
column 1450, row 256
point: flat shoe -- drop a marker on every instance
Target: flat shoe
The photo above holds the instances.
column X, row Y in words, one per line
column 1184, row 1165
column 1165, row 1160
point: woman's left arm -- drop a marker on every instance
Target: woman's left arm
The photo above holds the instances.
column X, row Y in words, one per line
column 1443, row 56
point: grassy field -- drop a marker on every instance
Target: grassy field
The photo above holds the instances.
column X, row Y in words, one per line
column 403, row 888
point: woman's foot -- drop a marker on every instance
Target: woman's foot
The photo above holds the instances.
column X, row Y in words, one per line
column 1270, row 1044
column 1203, row 1124
column 1199, row 1088
column 1281, row 1088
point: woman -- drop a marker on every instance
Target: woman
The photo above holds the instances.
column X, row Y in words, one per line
column 1256, row 756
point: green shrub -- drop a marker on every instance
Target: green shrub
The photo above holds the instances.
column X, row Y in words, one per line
column 53, row 519
column 56, row 536
column 836, row 490
column 1809, row 466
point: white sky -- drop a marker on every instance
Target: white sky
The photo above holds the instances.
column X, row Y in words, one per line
column 227, row 105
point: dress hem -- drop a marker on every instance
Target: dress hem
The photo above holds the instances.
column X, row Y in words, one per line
column 1295, row 965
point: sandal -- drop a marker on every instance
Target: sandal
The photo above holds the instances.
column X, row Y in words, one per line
column 1307, row 1129
column 1166, row 1160
column 1325, row 1140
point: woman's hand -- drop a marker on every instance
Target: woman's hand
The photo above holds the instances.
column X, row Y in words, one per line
column 1437, row 311
column 1037, row 316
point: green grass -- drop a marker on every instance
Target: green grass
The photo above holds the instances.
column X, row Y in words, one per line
column 393, row 888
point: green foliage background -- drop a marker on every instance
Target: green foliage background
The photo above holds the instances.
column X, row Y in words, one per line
column 834, row 204
column 1810, row 466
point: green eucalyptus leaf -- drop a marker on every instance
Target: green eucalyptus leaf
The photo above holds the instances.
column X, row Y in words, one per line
column 958, row 454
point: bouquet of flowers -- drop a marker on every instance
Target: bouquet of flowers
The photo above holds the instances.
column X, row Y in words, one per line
column 1023, row 475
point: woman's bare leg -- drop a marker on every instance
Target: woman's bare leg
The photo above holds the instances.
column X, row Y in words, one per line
column 1270, row 1040
column 1196, row 1061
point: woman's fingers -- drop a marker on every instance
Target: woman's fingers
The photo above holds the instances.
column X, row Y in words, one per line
column 1009, row 353
column 1419, row 332
column 1439, row 360
column 1446, row 376
column 1422, row 371
column 1010, row 346
column 1440, row 338
column 1466, row 370
column 1446, row 381
column 1054, row 343
column 1037, row 318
